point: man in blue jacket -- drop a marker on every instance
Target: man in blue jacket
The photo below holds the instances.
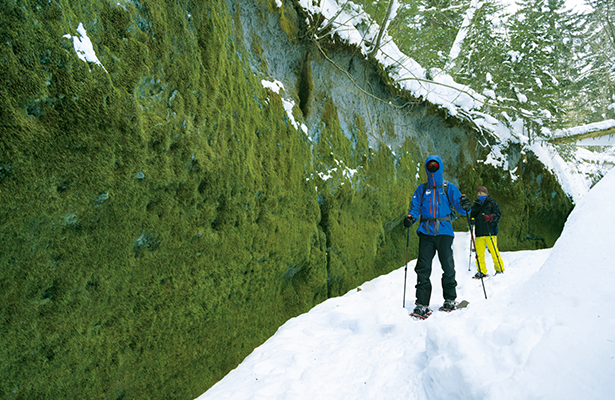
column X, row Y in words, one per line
column 433, row 202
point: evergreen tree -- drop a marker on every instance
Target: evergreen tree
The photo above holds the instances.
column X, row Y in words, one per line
column 481, row 64
column 426, row 29
column 597, row 92
column 544, row 66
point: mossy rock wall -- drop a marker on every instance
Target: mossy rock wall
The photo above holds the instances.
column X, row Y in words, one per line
column 161, row 217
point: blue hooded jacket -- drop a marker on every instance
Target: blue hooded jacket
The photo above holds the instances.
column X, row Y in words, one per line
column 432, row 205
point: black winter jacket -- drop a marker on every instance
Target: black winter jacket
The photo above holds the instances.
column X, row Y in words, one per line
column 479, row 210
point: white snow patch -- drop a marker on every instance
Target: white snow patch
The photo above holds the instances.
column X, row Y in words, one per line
column 288, row 105
column 83, row 46
column 579, row 130
column 274, row 86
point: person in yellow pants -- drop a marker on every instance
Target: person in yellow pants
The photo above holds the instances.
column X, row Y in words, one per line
column 486, row 215
column 490, row 242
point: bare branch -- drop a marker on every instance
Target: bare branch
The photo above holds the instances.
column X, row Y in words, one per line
column 383, row 26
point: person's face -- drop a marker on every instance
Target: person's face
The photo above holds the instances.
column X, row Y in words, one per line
column 478, row 194
column 433, row 166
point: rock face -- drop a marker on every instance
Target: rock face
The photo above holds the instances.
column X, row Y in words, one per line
column 161, row 213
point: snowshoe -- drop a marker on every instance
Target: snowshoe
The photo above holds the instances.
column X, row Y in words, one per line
column 480, row 275
column 499, row 272
column 451, row 305
column 420, row 312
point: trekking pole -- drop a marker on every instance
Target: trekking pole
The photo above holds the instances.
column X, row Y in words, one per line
column 470, row 258
column 493, row 244
column 406, row 266
column 477, row 262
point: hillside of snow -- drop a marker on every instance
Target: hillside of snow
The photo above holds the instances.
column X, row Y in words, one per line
column 546, row 331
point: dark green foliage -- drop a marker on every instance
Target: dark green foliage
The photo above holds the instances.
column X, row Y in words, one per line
column 543, row 60
column 426, row 29
column 544, row 63
column 483, row 63
column 596, row 91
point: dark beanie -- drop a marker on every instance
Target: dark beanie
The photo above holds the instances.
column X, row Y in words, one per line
column 481, row 189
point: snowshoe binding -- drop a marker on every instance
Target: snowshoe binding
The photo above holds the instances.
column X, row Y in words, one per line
column 451, row 305
column 420, row 312
column 480, row 275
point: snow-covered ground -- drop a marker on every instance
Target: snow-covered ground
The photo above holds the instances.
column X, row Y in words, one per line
column 546, row 331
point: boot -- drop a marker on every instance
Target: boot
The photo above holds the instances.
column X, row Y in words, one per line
column 449, row 305
column 421, row 311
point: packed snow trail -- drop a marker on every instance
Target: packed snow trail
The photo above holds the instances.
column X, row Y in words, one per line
column 546, row 331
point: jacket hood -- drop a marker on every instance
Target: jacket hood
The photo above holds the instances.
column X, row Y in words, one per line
column 435, row 178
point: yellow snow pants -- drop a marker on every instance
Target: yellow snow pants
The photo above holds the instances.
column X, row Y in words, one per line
column 486, row 241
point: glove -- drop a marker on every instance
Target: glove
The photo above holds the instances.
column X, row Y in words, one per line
column 408, row 221
column 465, row 203
column 489, row 217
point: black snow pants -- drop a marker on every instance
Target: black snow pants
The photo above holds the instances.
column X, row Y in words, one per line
column 428, row 245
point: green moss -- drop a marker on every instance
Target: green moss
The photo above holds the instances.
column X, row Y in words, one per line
column 289, row 22
column 534, row 207
column 144, row 204
column 256, row 49
column 305, row 85
column 361, row 214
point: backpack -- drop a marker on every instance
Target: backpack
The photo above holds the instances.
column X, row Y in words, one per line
column 451, row 217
